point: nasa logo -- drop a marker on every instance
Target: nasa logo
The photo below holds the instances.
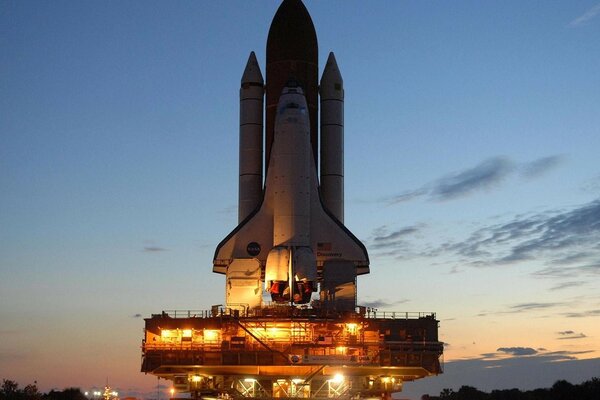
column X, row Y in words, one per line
column 253, row 249
column 295, row 359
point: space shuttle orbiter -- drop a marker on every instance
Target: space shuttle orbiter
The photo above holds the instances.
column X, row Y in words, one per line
column 291, row 241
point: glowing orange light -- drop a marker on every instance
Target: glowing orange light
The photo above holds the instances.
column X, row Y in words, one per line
column 167, row 333
column 352, row 328
column 211, row 335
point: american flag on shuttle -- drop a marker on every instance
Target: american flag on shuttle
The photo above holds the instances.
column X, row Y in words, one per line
column 324, row 246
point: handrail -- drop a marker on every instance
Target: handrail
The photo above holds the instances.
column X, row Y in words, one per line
column 287, row 311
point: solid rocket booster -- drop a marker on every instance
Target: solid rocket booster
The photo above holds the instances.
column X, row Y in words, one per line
column 291, row 236
column 332, row 138
column 251, row 138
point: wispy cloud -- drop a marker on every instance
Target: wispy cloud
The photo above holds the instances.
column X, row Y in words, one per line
column 382, row 303
column 518, row 351
column 567, row 285
column 383, row 238
column 136, row 316
column 482, row 176
column 567, row 272
column 545, row 236
column 583, row 314
column 533, row 306
column 564, row 242
column 586, row 16
column 540, row 166
column 153, row 249
column 486, row 175
column 569, row 335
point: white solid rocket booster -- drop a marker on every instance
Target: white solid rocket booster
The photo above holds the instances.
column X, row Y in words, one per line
column 251, row 138
column 332, row 138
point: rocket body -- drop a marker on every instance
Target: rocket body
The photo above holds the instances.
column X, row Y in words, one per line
column 291, row 241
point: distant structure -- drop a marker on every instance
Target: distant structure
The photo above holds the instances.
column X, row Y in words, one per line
column 290, row 326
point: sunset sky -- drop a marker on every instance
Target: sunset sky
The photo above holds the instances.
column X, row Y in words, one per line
column 472, row 173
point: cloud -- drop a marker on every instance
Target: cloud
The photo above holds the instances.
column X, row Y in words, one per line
column 518, row 351
column 586, row 16
column 136, row 316
column 562, row 243
column 583, row 314
column 566, row 272
column 524, row 307
column 533, row 306
column 568, row 335
column 394, row 243
column 153, row 249
column 592, row 185
column 540, row 166
column 547, row 236
column 567, row 285
column 382, row 238
column 484, row 176
column 382, row 303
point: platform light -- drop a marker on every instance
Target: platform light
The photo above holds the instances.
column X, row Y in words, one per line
column 250, row 380
column 211, row 334
column 166, row 333
column 172, row 391
column 351, row 327
column 297, row 380
column 196, row 378
column 86, row 393
column 337, row 378
column 186, row 333
column 385, row 379
column 341, row 349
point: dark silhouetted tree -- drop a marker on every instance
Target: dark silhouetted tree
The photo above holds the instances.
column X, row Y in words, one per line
column 470, row 393
column 67, row 394
column 10, row 391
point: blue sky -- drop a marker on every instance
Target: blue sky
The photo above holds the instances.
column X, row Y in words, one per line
column 472, row 175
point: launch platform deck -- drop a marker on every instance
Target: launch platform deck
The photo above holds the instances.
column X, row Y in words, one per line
column 284, row 351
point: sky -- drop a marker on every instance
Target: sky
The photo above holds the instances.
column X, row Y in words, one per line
column 472, row 133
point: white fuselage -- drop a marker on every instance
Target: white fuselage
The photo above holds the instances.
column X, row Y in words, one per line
column 289, row 171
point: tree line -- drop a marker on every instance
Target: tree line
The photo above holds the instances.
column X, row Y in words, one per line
column 561, row 390
column 10, row 390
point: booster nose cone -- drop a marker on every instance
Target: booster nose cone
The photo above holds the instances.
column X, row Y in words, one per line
column 292, row 51
column 252, row 74
column 331, row 81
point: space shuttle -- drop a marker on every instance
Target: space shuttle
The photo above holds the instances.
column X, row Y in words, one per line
column 291, row 246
